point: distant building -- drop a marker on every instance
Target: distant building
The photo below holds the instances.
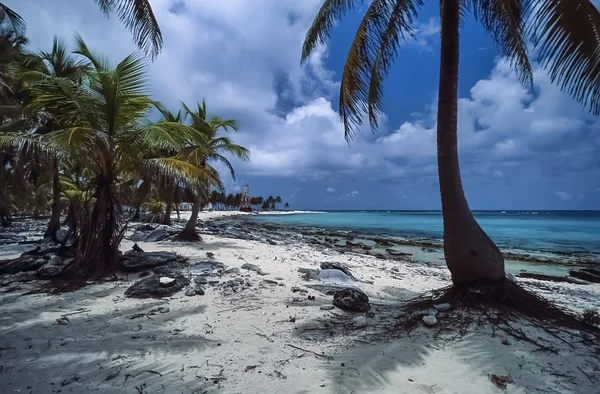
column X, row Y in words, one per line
column 245, row 202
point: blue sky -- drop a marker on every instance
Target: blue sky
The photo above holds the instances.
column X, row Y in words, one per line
column 519, row 149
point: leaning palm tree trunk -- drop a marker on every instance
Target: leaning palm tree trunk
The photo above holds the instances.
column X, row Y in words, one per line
column 189, row 231
column 470, row 254
column 54, row 224
column 4, row 206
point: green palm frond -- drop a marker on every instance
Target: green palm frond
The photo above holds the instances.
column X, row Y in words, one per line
column 182, row 172
column 566, row 35
column 138, row 18
column 9, row 17
column 79, row 142
column 216, row 122
column 504, row 20
column 170, row 135
column 330, row 12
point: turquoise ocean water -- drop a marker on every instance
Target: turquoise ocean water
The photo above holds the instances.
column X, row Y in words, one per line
column 562, row 232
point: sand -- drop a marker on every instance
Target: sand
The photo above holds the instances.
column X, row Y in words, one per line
column 268, row 339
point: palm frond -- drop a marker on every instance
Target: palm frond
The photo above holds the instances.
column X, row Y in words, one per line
column 503, row 19
column 319, row 31
column 371, row 54
column 566, row 36
column 169, row 135
column 180, row 172
column 8, row 16
column 138, row 18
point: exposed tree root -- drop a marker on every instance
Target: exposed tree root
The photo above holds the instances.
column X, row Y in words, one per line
column 500, row 305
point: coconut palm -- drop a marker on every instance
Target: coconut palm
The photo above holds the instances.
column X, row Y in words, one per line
column 567, row 43
column 59, row 63
column 136, row 15
column 278, row 201
column 213, row 148
column 105, row 132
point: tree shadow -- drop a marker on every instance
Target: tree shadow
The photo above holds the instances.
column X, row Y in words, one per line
column 65, row 343
column 388, row 357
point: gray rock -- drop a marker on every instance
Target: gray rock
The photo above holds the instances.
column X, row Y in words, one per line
column 190, row 292
column 199, row 290
column 255, row 268
column 21, row 264
column 443, row 307
column 326, row 307
column 295, row 289
column 232, row 271
column 271, row 242
column 352, row 299
column 160, row 233
column 228, row 291
column 145, row 260
column 360, row 322
column 165, row 281
column 269, row 282
column 150, row 287
column 335, row 276
column 429, row 320
column 399, row 315
column 54, row 267
column 200, row 280
column 310, row 274
column 61, row 235
column 337, row 266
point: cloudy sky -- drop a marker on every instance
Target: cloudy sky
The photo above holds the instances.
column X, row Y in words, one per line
column 520, row 149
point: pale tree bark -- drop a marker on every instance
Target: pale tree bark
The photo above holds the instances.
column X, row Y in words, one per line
column 189, row 231
column 54, row 224
column 470, row 254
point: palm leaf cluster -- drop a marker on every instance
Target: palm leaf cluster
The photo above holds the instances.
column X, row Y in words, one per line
column 75, row 137
column 565, row 37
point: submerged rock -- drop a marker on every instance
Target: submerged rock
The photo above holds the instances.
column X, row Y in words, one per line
column 395, row 252
column 590, row 277
column 255, row 268
column 326, row 307
column 352, row 299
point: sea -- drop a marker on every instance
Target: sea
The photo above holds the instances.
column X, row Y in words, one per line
column 562, row 235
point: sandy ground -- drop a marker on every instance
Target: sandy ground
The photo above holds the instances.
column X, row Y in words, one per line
column 267, row 339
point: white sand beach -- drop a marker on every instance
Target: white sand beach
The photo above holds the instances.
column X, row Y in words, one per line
column 269, row 337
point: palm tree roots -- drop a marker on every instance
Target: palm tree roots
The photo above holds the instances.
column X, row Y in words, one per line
column 188, row 236
column 499, row 304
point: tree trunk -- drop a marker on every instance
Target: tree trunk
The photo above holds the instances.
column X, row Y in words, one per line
column 98, row 246
column 4, row 207
column 189, row 231
column 470, row 254
column 142, row 193
column 54, row 224
column 168, row 208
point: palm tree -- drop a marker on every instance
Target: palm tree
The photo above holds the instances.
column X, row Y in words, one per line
column 278, row 201
column 565, row 35
column 104, row 132
column 59, row 63
column 136, row 15
column 286, row 206
column 210, row 148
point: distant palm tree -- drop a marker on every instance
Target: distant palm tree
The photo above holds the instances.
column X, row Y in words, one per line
column 210, row 148
column 136, row 15
column 286, row 206
column 278, row 201
column 567, row 40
